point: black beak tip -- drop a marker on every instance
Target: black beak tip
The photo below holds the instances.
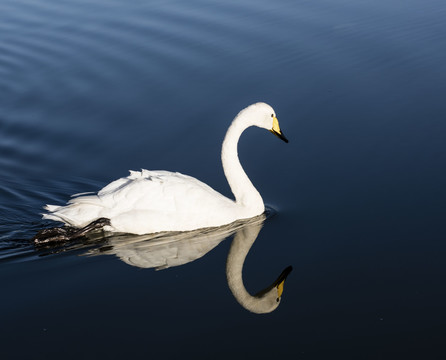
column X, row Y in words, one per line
column 287, row 270
column 283, row 137
column 284, row 274
column 280, row 135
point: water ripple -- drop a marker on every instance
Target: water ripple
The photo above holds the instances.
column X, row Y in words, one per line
column 82, row 80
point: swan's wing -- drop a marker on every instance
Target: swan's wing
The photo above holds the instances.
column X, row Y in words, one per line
column 160, row 191
column 163, row 201
column 83, row 209
column 160, row 196
column 148, row 190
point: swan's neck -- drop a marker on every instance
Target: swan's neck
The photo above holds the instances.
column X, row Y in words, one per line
column 246, row 195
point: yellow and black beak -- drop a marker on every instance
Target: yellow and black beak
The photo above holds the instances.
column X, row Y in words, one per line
column 278, row 284
column 281, row 280
column 276, row 130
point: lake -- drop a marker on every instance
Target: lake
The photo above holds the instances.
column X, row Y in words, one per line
column 357, row 199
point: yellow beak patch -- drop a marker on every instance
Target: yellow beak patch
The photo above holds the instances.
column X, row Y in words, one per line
column 276, row 126
column 280, row 288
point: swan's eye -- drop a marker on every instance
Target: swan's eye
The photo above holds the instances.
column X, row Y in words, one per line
column 272, row 115
column 278, row 299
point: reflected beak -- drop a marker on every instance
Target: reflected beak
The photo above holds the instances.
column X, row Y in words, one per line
column 278, row 284
column 281, row 280
column 276, row 130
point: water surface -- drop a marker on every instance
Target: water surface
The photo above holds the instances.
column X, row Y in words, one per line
column 91, row 89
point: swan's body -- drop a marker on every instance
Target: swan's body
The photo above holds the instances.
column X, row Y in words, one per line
column 154, row 201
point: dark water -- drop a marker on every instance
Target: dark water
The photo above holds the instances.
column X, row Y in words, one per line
column 90, row 89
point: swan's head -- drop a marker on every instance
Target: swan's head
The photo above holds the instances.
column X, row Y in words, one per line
column 264, row 116
column 269, row 298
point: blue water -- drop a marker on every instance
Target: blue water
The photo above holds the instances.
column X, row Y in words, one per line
column 91, row 89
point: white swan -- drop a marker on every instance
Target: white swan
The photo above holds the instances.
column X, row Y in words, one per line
column 153, row 201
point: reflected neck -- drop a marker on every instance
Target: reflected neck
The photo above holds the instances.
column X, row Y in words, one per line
column 240, row 247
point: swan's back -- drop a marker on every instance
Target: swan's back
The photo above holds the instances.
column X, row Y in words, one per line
column 149, row 201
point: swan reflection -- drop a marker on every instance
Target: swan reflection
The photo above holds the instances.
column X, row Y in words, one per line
column 173, row 249
column 264, row 301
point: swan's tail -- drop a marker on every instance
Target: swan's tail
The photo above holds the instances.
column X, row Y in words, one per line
column 54, row 214
column 78, row 213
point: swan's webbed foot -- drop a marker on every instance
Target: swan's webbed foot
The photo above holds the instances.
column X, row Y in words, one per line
column 67, row 233
column 52, row 235
column 95, row 225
